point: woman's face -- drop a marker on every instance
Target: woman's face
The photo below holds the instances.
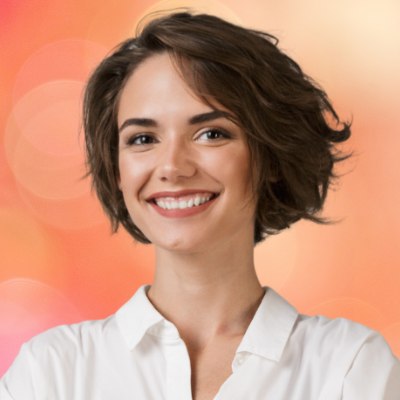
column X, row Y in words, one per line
column 184, row 166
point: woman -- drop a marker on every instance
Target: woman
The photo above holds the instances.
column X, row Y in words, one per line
column 203, row 138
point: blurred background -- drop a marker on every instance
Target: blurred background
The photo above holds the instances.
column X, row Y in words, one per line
column 58, row 261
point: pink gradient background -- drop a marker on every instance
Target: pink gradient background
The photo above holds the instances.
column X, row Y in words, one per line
column 58, row 262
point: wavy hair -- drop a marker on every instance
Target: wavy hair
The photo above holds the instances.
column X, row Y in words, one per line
column 282, row 111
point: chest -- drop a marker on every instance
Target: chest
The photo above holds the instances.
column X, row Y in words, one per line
column 152, row 372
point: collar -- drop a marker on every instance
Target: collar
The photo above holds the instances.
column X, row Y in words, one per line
column 138, row 317
column 266, row 335
column 270, row 328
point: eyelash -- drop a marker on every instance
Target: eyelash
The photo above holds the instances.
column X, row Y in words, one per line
column 220, row 132
column 131, row 140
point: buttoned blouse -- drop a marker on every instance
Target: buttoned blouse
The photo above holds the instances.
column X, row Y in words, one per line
column 137, row 354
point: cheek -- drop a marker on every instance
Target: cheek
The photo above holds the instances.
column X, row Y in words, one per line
column 237, row 167
column 245, row 166
column 241, row 175
column 132, row 175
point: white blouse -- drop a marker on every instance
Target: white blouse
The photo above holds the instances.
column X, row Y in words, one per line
column 137, row 354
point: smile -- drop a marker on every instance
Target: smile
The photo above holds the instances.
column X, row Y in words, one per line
column 181, row 203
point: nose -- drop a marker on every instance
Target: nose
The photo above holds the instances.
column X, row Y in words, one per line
column 176, row 161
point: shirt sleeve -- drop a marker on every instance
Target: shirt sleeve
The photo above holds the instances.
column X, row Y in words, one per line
column 374, row 373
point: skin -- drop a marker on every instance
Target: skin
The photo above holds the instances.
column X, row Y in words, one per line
column 205, row 281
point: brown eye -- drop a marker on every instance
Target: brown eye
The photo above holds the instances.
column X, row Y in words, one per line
column 141, row 139
column 213, row 134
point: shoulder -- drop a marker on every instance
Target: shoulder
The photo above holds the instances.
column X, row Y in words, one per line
column 72, row 340
column 308, row 333
column 338, row 339
column 320, row 329
column 48, row 362
column 56, row 355
column 65, row 346
column 349, row 353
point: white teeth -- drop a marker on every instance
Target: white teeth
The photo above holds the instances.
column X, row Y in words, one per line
column 167, row 204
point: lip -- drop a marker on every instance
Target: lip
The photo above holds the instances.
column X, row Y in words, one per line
column 181, row 213
column 178, row 193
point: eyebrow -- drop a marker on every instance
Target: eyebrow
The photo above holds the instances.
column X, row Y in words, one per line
column 196, row 119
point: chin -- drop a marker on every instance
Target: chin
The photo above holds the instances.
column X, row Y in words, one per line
column 180, row 245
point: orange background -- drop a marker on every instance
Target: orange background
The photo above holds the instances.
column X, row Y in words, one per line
column 59, row 263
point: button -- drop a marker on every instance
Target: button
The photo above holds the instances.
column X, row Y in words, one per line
column 239, row 360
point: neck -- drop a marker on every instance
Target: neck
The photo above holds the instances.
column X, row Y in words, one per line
column 208, row 294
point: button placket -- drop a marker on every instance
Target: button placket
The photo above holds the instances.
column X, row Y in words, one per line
column 178, row 370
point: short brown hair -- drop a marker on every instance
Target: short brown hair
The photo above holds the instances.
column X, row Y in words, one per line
column 283, row 112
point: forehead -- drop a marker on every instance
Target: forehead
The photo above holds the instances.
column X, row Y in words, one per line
column 157, row 89
column 156, row 81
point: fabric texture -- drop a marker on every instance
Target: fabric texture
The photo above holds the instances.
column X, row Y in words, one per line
column 138, row 354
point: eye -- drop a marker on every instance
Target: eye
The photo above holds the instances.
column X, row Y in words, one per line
column 140, row 140
column 213, row 134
